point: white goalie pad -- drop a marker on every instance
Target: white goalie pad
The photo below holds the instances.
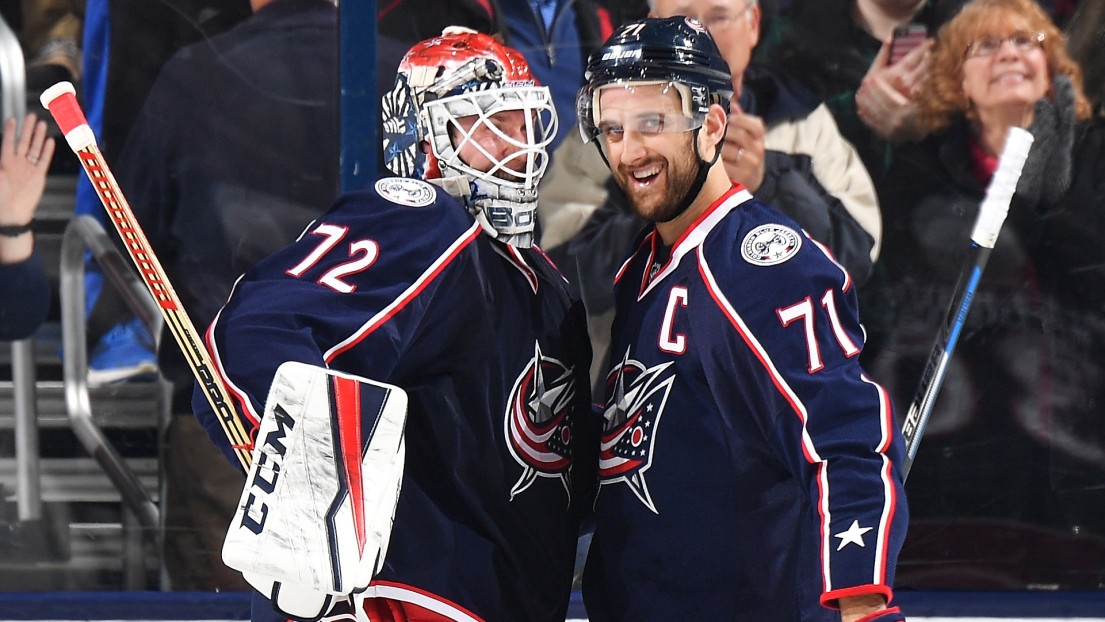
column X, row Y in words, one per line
column 315, row 517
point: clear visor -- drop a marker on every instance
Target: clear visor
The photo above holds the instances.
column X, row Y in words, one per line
column 499, row 135
column 606, row 113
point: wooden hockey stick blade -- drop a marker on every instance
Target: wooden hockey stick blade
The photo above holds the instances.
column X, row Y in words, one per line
column 61, row 101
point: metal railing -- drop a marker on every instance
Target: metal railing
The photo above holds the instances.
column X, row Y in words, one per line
column 81, row 233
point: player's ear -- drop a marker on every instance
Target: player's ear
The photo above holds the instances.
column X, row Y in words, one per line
column 713, row 131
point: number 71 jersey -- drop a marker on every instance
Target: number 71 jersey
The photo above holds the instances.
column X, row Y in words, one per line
column 747, row 462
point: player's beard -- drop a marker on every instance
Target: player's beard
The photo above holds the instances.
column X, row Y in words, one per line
column 662, row 200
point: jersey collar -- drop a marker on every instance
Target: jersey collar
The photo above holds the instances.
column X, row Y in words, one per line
column 691, row 238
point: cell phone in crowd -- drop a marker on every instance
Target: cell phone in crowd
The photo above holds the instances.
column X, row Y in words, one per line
column 905, row 39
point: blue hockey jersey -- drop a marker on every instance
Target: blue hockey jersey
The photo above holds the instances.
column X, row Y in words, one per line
column 748, row 466
column 398, row 283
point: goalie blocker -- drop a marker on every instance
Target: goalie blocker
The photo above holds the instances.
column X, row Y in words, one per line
column 316, row 513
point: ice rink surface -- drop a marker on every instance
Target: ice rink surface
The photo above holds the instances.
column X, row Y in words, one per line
column 997, row 606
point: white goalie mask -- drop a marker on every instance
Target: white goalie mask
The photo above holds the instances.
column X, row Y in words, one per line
column 475, row 103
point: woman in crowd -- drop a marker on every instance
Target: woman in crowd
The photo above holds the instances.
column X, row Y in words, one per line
column 1017, row 432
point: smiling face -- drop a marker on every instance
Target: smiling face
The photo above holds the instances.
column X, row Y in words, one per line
column 654, row 165
column 1012, row 77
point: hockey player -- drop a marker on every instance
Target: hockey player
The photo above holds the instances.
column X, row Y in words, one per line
column 748, row 467
column 403, row 284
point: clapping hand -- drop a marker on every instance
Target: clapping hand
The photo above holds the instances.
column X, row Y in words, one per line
column 743, row 149
column 886, row 99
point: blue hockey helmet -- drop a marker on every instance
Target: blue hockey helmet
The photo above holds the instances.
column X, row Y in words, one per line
column 673, row 50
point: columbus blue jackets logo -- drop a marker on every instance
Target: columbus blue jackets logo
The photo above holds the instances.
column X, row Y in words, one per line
column 409, row 192
column 538, row 429
column 768, row 245
column 632, row 420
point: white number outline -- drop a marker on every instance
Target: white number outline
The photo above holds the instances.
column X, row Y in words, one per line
column 333, row 234
column 804, row 310
column 332, row 278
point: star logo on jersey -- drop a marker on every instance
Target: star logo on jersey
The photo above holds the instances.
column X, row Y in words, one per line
column 632, row 417
column 538, row 431
column 853, row 535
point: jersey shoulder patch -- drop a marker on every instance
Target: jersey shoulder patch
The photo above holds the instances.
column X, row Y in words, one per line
column 770, row 244
column 406, row 191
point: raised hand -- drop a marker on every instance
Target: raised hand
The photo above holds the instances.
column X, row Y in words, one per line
column 23, row 167
column 885, row 101
column 743, row 149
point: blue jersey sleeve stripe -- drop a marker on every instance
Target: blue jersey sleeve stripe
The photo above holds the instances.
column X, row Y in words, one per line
column 407, row 296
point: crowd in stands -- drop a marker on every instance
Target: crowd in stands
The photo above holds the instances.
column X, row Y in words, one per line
column 227, row 146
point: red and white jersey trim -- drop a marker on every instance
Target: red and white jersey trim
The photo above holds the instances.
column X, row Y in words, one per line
column 519, row 263
column 890, row 499
column 407, row 296
column 244, row 403
column 694, row 235
column 422, row 598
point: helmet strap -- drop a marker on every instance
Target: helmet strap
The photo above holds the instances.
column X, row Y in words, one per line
column 699, row 179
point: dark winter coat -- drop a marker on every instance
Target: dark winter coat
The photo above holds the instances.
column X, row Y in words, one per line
column 1017, row 433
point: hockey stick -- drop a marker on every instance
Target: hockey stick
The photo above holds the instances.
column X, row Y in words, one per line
column 991, row 216
column 61, row 101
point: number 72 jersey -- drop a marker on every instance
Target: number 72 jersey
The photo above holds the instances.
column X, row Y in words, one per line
column 747, row 462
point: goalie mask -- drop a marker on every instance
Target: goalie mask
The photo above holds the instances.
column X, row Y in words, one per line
column 474, row 103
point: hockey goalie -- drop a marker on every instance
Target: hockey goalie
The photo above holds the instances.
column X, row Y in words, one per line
column 427, row 280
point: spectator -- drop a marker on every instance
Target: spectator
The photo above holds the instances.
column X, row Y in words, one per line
column 780, row 144
column 24, row 291
column 124, row 45
column 1015, row 436
column 234, row 152
column 841, row 49
column 748, row 466
column 52, row 35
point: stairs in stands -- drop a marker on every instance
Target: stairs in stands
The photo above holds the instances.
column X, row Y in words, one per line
column 85, row 539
